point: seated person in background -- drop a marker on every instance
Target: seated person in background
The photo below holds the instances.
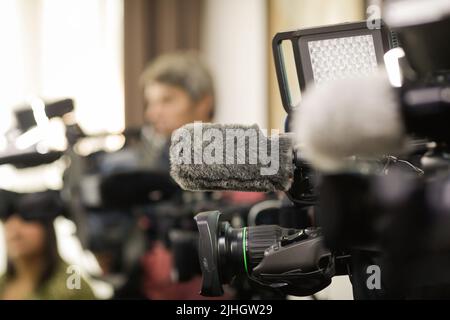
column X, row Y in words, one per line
column 34, row 268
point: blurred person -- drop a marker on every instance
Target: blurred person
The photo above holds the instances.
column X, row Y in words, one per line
column 178, row 89
column 34, row 268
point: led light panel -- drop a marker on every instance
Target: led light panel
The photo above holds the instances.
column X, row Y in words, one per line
column 341, row 58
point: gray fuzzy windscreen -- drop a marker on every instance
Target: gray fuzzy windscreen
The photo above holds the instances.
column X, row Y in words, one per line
column 208, row 157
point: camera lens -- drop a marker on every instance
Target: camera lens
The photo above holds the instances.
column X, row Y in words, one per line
column 225, row 251
column 242, row 249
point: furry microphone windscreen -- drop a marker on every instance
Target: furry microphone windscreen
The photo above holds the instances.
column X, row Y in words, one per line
column 208, row 157
column 344, row 118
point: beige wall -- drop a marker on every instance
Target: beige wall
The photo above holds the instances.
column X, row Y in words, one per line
column 234, row 43
column 285, row 15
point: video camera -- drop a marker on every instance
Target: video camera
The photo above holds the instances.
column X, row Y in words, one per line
column 27, row 147
column 395, row 212
column 26, row 144
column 293, row 260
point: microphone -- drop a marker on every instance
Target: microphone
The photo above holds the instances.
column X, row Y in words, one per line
column 209, row 157
column 368, row 118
